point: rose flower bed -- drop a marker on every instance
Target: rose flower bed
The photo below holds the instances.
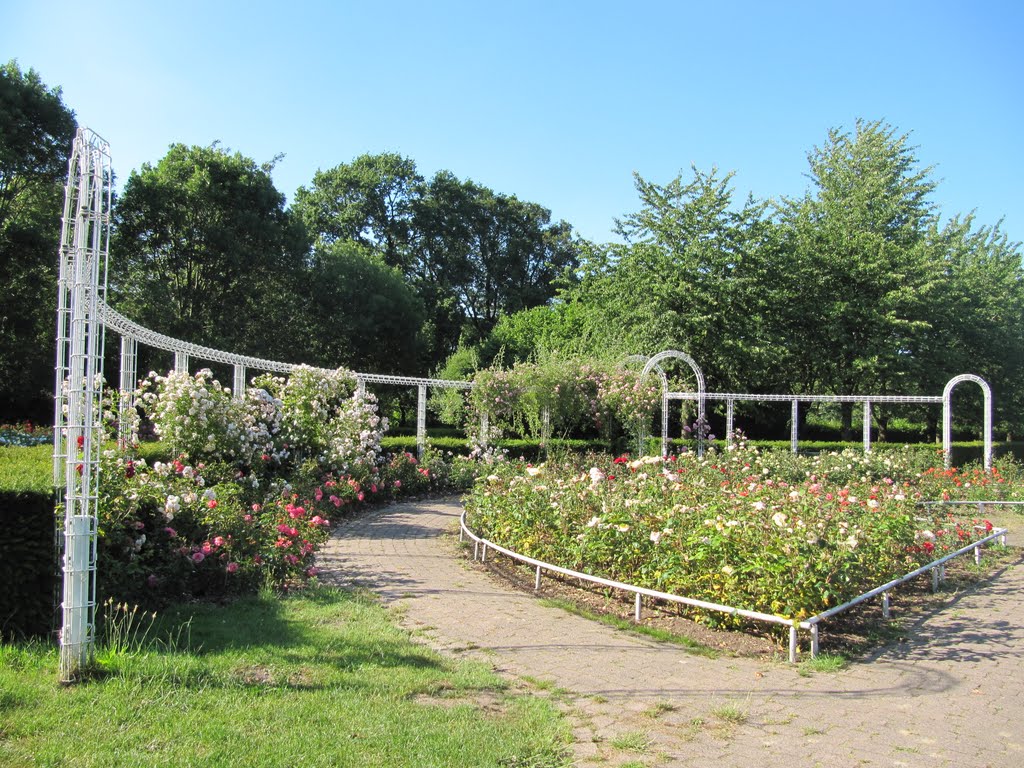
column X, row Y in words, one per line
column 774, row 533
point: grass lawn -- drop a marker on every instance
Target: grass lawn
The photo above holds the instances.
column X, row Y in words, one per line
column 323, row 678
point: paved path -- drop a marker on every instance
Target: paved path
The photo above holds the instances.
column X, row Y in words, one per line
column 951, row 695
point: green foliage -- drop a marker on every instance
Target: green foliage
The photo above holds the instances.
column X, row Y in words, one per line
column 207, row 252
column 375, row 316
column 36, row 132
column 768, row 532
column 559, row 396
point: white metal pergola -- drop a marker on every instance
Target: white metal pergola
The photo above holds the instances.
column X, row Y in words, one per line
column 731, row 398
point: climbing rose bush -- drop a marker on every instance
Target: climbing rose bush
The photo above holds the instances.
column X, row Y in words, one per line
column 327, row 420
column 198, row 416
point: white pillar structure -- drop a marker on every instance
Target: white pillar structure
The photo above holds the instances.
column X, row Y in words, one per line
column 78, row 429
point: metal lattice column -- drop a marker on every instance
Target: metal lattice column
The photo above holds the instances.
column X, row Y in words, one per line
column 238, row 385
column 421, row 420
column 85, row 244
column 794, row 426
column 126, row 393
column 867, row 426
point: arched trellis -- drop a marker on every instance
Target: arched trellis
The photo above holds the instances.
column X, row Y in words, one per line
column 654, row 363
column 947, row 416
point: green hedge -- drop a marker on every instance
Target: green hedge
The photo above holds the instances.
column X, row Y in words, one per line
column 28, row 563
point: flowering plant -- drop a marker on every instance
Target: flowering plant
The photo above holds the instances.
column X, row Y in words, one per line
column 725, row 528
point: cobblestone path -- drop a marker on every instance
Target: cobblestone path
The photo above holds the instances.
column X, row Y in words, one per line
column 951, row 695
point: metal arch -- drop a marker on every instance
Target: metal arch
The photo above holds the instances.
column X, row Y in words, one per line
column 655, row 363
column 664, row 398
column 947, row 416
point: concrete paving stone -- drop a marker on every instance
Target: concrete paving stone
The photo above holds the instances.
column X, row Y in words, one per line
column 949, row 696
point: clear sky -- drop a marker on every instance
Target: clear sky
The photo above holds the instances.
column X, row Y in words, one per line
column 555, row 102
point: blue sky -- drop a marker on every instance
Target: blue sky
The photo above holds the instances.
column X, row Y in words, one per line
column 556, row 102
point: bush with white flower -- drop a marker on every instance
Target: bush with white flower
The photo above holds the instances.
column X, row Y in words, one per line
column 198, row 416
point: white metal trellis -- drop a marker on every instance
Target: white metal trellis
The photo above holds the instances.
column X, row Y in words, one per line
column 78, row 386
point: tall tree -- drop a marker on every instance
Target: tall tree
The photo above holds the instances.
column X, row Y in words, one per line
column 362, row 312
column 480, row 255
column 858, row 277
column 206, row 251
column 368, row 201
column 36, row 133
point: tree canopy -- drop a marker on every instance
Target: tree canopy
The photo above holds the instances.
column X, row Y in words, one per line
column 36, row 132
column 858, row 286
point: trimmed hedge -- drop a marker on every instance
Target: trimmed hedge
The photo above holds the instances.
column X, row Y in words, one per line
column 28, row 563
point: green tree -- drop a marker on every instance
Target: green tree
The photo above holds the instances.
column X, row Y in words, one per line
column 856, row 275
column 36, row 133
column 366, row 317
column 368, row 201
column 976, row 321
column 206, row 251
column 481, row 255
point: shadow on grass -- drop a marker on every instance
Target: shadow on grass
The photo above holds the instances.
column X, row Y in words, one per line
column 317, row 640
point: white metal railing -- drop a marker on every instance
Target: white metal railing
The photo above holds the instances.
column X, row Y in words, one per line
column 937, row 568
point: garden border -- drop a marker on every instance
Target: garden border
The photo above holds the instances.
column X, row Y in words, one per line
column 937, row 567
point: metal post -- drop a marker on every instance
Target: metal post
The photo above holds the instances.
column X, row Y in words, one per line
column 792, row 644
column 885, row 605
column 814, row 641
column 126, row 396
column 421, row 421
column 637, row 607
column 867, row 426
column 664, row 416
column 730, row 405
column 238, row 385
column 793, row 429
column 536, row 581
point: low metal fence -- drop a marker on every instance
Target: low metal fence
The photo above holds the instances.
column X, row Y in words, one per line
column 937, row 568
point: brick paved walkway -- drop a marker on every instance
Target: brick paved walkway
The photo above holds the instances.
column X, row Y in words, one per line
column 950, row 696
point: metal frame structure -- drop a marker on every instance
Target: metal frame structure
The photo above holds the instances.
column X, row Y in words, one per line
column 730, row 399
column 78, row 386
column 132, row 334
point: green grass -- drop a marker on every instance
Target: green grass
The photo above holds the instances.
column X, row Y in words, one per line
column 823, row 662
column 324, row 678
column 692, row 646
column 634, row 741
column 27, row 469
